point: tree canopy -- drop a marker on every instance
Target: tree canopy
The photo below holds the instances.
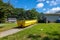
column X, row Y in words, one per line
column 7, row 10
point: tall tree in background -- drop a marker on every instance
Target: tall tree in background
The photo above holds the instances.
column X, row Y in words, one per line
column 1, row 11
column 19, row 13
column 5, row 10
column 41, row 18
column 34, row 13
column 25, row 14
column 31, row 14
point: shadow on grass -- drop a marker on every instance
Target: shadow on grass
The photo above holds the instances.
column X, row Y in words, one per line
column 1, row 26
column 18, row 27
column 50, row 36
column 34, row 37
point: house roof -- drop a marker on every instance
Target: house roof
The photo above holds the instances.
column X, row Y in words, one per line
column 52, row 14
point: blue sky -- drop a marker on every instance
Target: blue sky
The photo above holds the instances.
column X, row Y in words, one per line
column 47, row 6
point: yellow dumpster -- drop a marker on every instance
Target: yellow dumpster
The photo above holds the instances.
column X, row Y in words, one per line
column 25, row 23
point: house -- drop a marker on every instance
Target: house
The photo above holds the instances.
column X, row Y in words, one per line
column 52, row 17
column 11, row 19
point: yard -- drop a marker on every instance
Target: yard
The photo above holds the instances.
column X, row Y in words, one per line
column 43, row 31
column 7, row 26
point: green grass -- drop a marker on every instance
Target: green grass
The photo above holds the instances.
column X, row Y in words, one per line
column 7, row 26
column 39, row 29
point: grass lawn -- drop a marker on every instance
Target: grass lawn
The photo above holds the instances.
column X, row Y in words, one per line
column 38, row 32
column 6, row 26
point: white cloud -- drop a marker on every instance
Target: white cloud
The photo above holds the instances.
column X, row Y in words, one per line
column 58, row 1
column 52, row 3
column 40, row 5
column 47, row 1
column 53, row 10
column 40, row 0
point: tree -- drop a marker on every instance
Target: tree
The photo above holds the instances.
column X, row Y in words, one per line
column 31, row 14
column 34, row 13
column 41, row 18
column 5, row 9
column 20, row 13
column 1, row 11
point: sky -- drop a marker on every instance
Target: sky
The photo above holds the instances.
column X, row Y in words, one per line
column 46, row 6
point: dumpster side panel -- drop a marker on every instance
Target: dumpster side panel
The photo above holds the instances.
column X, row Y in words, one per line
column 25, row 23
column 20, row 23
column 30, row 22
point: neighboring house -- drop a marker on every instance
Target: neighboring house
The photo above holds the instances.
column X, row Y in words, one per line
column 52, row 17
column 11, row 19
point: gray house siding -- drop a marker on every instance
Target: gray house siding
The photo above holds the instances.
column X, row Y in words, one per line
column 52, row 17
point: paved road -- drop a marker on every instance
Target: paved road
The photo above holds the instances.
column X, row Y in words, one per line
column 12, row 31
